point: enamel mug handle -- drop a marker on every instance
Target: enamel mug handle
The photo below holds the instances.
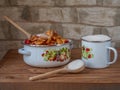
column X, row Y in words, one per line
column 115, row 55
column 24, row 52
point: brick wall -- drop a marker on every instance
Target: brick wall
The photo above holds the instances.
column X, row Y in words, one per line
column 70, row 18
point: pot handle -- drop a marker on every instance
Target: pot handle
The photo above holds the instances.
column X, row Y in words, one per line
column 71, row 44
column 24, row 52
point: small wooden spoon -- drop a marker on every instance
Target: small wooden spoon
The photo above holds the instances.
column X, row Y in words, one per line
column 17, row 26
column 73, row 67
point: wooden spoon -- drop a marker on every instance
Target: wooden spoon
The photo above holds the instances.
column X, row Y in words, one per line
column 73, row 67
column 17, row 26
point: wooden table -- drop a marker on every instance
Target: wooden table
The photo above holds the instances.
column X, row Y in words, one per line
column 14, row 75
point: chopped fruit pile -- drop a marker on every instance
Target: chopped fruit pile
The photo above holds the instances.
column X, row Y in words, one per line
column 48, row 38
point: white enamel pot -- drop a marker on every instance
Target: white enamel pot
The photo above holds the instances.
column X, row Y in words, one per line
column 46, row 56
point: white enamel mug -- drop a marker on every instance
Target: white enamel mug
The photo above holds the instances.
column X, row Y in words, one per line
column 96, row 51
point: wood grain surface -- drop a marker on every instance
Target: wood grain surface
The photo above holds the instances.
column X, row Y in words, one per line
column 14, row 74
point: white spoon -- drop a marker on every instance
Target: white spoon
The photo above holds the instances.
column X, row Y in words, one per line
column 73, row 67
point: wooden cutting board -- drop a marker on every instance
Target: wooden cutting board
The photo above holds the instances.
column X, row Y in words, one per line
column 14, row 74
